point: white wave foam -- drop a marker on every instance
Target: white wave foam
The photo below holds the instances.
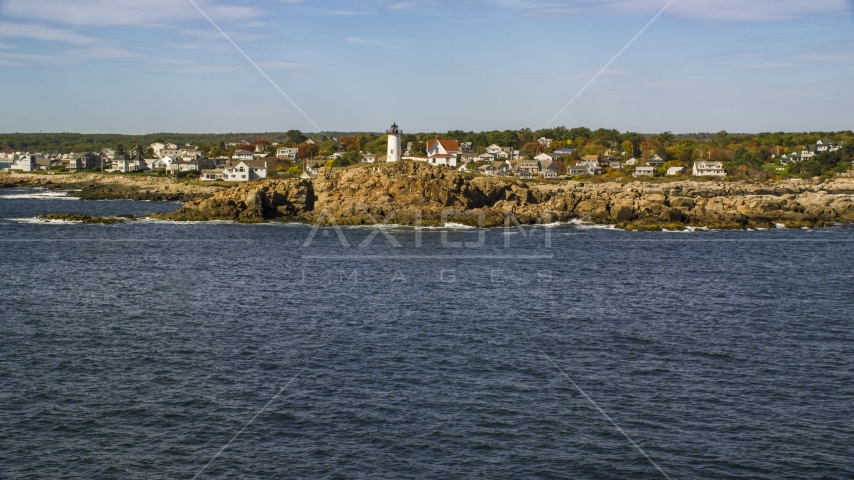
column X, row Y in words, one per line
column 46, row 195
column 179, row 222
column 457, row 226
column 37, row 220
column 780, row 225
column 581, row 225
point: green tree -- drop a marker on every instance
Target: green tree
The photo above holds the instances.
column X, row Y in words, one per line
column 721, row 139
column 295, row 137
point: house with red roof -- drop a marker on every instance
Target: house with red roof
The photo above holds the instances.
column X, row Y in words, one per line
column 443, row 152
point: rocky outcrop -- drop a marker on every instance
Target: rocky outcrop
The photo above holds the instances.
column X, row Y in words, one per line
column 251, row 202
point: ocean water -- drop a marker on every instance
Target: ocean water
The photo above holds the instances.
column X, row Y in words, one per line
column 218, row 350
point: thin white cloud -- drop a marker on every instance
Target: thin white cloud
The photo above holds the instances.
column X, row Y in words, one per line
column 702, row 10
column 43, row 32
column 134, row 13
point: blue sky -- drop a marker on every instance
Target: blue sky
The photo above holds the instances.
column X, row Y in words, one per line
column 122, row 66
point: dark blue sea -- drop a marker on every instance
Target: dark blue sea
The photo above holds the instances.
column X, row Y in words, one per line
column 217, row 350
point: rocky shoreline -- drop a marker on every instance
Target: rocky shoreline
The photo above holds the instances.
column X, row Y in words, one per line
column 111, row 187
column 409, row 193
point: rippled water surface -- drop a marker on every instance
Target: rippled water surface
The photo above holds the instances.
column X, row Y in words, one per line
column 141, row 350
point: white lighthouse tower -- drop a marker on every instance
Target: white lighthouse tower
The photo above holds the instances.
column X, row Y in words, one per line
column 393, row 154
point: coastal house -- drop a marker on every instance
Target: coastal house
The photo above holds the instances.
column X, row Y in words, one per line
column 488, row 169
column 127, row 163
column 368, row 158
column 211, row 174
column 467, row 157
column 486, row 157
column 494, row 149
column 156, row 147
column 615, row 165
column 655, row 161
column 287, row 153
column 442, row 152
column 632, row 162
column 828, row 146
column 644, row 172
column 243, row 155
column 675, row 171
column 466, row 146
column 524, row 175
column 244, row 170
column 591, row 166
column 25, row 163
column 158, row 163
column 465, row 169
column 706, row 168
column 531, row 166
column 171, row 150
column 502, row 166
column 308, row 173
column 45, row 163
column 544, row 157
column 190, row 164
column 548, row 174
column 545, row 141
column 577, row 170
column 83, row 161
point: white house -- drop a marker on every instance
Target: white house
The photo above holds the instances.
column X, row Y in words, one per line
column 705, row 168
column 308, row 173
column 544, row 141
column 467, row 157
column 157, row 146
column 243, row 155
column 592, row 166
column 211, row 174
column 486, row 157
column 129, row 163
column 289, row 153
column 531, row 166
column 544, row 157
column 631, row 162
column 494, row 149
column 443, row 152
column 161, row 163
column 548, row 174
column 25, row 163
column 674, row 171
column 369, row 158
column 244, row 170
column 644, row 172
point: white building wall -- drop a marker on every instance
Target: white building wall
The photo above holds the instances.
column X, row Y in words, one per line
column 393, row 152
